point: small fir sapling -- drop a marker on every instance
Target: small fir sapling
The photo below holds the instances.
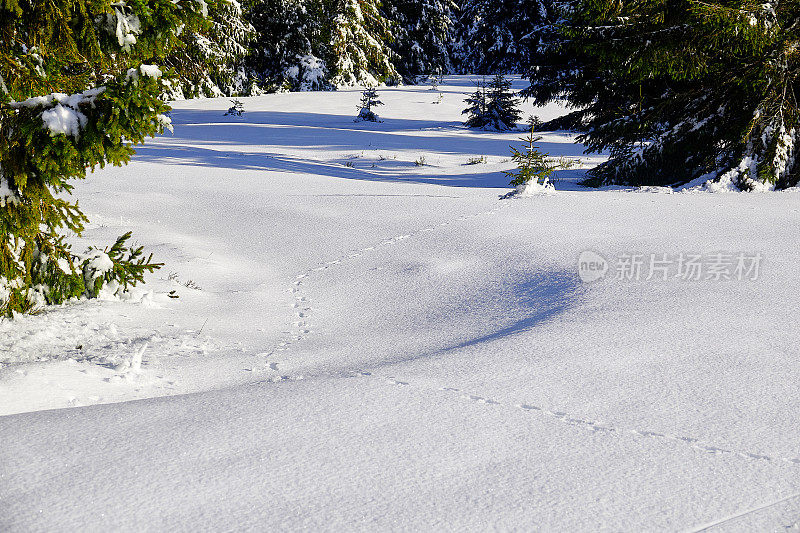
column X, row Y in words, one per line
column 369, row 99
column 236, row 109
column 436, row 81
column 534, row 168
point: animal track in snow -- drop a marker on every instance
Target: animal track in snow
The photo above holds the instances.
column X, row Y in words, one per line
column 302, row 328
column 487, row 401
column 599, row 427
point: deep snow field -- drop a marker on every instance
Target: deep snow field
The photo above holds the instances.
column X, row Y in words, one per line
column 364, row 343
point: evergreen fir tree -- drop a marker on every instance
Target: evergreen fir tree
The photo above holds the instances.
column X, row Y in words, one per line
column 359, row 49
column 501, row 106
column 533, row 167
column 212, row 61
column 679, row 91
column 369, row 99
column 422, row 42
column 74, row 94
column 498, row 36
column 492, row 106
column 291, row 44
column 320, row 44
column 477, row 107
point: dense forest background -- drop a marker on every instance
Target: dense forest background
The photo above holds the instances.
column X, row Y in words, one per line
column 273, row 45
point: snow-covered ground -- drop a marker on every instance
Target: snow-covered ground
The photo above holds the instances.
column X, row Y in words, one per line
column 366, row 338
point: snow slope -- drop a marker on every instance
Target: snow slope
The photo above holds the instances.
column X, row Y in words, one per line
column 364, row 343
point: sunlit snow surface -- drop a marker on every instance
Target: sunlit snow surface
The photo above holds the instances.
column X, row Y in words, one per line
column 366, row 338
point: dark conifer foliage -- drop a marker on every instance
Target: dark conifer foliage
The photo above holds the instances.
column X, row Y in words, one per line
column 290, row 44
column 359, row 51
column 681, row 90
column 211, row 62
column 423, row 34
column 499, row 36
column 321, row 44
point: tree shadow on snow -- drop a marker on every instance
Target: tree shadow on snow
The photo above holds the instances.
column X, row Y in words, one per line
column 542, row 298
column 536, row 301
column 386, row 171
column 201, row 138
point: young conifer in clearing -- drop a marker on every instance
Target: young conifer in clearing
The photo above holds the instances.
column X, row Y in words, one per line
column 493, row 106
column 476, row 111
column 533, row 167
column 369, row 99
column 501, row 106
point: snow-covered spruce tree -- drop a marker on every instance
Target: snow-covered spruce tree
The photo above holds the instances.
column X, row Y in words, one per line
column 359, row 46
column 422, row 41
column 687, row 90
column 497, row 36
column 476, row 110
column 501, row 105
column 74, row 95
column 369, row 99
column 492, row 106
column 292, row 40
column 211, row 63
column 320, row 44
